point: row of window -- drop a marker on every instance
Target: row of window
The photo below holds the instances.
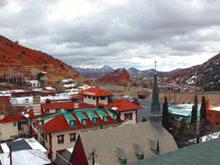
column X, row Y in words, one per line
column 60, row 138
column 24, row 122
column 90, row 97
column 213, row 115
column 94, row 121
column 47, row 111
column 101, row 98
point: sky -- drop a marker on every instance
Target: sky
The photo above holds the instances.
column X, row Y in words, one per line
column 118, row 33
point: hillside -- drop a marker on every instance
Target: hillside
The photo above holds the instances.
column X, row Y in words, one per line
column 206, row 75
column 117, row 77
column 17, row 58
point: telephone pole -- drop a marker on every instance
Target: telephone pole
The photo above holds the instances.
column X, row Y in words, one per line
column 93, row 155
column 10, row 152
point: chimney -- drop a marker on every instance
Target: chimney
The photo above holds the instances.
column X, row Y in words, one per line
column 122, row 156
column 139, row 151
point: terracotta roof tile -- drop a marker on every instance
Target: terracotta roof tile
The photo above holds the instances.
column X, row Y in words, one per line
column 65, row 105
column 95, row 92
column 123, row 105
column 14, row 118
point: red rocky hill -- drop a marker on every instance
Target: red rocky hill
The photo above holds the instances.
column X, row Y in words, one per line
column 206, row 75
column 117, row 77
column 17, row 58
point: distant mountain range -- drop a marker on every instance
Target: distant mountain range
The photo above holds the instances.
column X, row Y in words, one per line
column 94, row 73
column 17, row 58
column 206, row 75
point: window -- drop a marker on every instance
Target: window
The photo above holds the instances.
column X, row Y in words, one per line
column 60, row 139
column 72, row 124
column 89, row 97
column 94, row 121
column 102, row 98
column 93, row 98
column 128, row 116
column 105, row 118
column 84, row 122
column 24, row 122
column 114, row 117
column 14, row 124
column 47, row 111
column 72, row 137
column 57, row 110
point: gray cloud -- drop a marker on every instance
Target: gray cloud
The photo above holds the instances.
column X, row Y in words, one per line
column 3, row 3
column 129, row 34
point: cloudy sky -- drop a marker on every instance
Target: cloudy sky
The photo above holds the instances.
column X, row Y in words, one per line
column 119, row 33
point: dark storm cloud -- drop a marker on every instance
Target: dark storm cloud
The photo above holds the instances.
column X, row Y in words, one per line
column 117, row 33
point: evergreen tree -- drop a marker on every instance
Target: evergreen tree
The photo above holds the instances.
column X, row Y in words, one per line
column 180, row 133
column 203, row 110
column 194, row 110
column 165, row 114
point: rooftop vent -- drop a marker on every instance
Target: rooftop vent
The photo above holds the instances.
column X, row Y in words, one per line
column 155, row 147
column 139, row 151
column 122, row 156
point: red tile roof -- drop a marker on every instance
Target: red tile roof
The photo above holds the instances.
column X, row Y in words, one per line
column 64, row 105
column 95, row 92
column 85, row 106
column 123, row 105
column 14, row 118
column 57, row 124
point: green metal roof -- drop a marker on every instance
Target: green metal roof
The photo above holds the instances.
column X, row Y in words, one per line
column 91, row 114
column 204, row 154
column 101, row 113
column 80, row 115
column 179, row 111
column 110, row 112
column 69, row 117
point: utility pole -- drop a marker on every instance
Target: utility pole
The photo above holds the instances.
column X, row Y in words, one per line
column 10, row 152
column 93, row 155
column 93, row 158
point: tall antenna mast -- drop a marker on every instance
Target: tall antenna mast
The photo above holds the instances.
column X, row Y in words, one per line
column 155, row 65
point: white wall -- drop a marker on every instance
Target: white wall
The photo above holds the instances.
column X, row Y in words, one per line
column 104, row 101
column 90, row 100
column 133, row 121
column 94, row 101
column 8, row 130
